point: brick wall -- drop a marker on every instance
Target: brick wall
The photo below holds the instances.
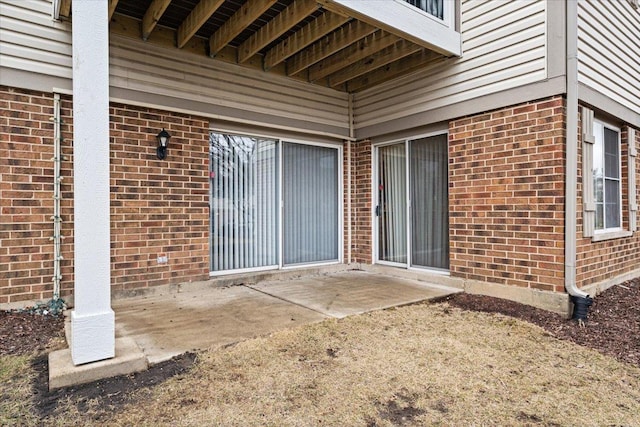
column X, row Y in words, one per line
column 26, row 190
column 361, row 204
column 507, row 196
column 157, row 206
column 600, row 261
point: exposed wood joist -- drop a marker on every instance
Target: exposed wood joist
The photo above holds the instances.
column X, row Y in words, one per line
column 395, row 69
column 338, row 46
column 165, row 37
column 357, row 51
column 311, row 32
column 112, row 7
column 392, row 53
column 247, row 14
column 65, row 8
column 366, row 10
column 279, row 25
column 152, row 16
column 198, row 16
column 334, row 42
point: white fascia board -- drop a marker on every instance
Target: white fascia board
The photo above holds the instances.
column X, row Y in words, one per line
column 402, row 20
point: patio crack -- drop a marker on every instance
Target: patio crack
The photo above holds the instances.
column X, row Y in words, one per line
column 290, row 301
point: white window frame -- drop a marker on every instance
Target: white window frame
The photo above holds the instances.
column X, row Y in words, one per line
column 448, row 13
column 599, row 141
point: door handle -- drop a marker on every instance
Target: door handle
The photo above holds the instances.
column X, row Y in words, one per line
column 378, row 210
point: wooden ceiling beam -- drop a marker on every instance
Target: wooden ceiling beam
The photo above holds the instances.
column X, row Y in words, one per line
column 65, row 8
column 334, row 42
column 308, row 34
column 245, row 16
column 293, row 14
column 196, row 19
column 393, row 53
column 112, row 7
column 152, row 16
column 357, row 51
column 411, row 63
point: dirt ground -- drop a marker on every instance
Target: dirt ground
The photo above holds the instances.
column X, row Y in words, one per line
column 612, row 328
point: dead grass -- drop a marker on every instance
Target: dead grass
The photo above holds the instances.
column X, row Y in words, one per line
column 422, row 364
column 15, row 391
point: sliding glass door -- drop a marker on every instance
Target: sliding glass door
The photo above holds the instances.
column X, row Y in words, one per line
column 244, row 202
column 273, row 203
column 392, row 203
column 429, row 198
column 311, row 208
column 412, row 209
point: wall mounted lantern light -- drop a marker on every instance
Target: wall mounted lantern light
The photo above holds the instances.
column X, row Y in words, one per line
column 163, row 141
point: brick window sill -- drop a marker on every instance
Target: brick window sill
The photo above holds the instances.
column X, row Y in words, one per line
column 611, row 235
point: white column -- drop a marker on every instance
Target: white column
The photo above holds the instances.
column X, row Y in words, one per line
column 92, row 320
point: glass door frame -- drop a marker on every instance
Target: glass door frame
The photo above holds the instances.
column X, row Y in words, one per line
column 280, row 205
column 340, row 226
column 375, row 179
column 376, row 205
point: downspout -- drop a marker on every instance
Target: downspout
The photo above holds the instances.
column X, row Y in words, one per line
column 350, row 180
column 55, row 14
column 571, row 138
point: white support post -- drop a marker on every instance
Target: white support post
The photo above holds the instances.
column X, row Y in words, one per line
column 92, row 320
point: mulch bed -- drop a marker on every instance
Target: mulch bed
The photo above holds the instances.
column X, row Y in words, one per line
column 613, row 328
column 24, row 332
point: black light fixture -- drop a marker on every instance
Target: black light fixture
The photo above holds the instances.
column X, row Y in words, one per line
column 163, row 141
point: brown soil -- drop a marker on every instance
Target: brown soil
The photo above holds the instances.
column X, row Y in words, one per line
column 613, row 328
column 107, row 394
column 23, row 333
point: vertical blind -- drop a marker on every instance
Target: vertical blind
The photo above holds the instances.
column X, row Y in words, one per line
column 429, row 202
column 311, row 208
column 244, row 199
column 392, row 210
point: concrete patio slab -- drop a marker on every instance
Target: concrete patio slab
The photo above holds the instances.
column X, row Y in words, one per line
column 352, row 292
column 63, row 373
column 170, row 324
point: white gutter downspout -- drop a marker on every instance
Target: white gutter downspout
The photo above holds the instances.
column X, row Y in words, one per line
column 55, row 12
column 571, row 137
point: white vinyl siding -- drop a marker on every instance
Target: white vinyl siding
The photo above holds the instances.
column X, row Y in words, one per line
column 34, row 45
column 504, row 46
column 150, row 69
column 31, row 41
column 608, row 46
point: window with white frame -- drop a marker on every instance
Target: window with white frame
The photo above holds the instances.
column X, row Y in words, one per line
column 432, row 7
column 607, row 182
column 440, row 11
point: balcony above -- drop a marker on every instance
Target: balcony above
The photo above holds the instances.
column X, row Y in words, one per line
column 349, row 45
